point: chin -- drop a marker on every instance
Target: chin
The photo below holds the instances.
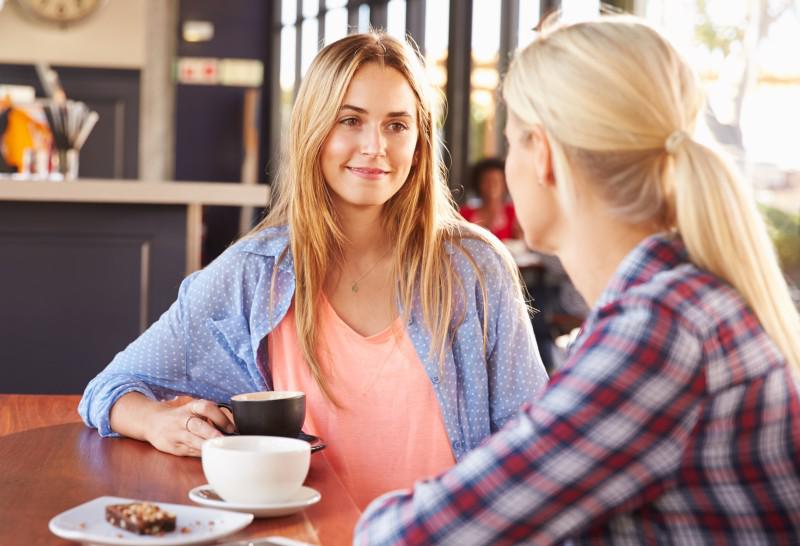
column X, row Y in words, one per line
column 365, row 202
column 539, row 243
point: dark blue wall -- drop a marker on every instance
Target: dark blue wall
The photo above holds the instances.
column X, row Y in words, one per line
column 209, row 118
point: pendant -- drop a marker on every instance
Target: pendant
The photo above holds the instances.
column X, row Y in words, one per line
column 354, row 287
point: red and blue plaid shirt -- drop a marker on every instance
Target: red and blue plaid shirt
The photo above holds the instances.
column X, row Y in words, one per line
column 675, row 420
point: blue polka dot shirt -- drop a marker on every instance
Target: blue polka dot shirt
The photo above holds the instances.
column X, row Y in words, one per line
column 208, row 344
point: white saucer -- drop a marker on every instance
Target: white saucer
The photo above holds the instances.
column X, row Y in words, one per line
column 194, row 525
column 302, row 499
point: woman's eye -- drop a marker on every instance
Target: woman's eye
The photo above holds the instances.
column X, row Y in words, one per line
column 397, row 127
column 349, row 122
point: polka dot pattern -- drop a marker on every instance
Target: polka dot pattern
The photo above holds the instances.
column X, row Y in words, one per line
column 206, row 344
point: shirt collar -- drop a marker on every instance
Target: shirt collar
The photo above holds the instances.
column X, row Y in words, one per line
column 272, row 242
column 653, row 254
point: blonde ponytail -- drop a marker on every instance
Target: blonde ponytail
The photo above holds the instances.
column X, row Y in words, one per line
column 725, row 234
column 626, row 121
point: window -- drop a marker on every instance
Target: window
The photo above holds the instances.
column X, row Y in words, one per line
column 484, row 80
column 396, row 18
column 335, row 20
column 490, row 54
column 497, row 28
column 437, row 19
column 529, row 13
column 746, row 55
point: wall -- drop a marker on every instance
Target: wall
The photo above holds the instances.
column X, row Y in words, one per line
column 112, row 37
column 209, row 141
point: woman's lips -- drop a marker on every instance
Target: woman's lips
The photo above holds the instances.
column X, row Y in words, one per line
column 367, row 172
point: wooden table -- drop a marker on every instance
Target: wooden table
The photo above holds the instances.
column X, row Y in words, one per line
column 51, row 462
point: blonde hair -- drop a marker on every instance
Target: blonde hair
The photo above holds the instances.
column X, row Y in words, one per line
column 627, row 121
column 420, row 218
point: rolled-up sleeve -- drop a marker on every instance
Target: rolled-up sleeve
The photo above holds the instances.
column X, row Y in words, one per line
column 180, row 353
column 154, row 362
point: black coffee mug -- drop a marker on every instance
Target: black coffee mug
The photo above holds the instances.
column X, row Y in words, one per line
column 268, row 413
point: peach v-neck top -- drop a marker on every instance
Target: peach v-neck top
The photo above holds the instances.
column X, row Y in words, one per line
column 389, row 430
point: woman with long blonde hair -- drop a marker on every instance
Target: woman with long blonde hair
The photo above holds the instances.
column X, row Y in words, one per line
column 676, row 418
column 406, row 328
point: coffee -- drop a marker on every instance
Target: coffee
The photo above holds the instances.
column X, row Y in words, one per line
column 266, row 395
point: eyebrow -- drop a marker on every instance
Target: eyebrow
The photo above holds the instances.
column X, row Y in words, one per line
column 401, row 114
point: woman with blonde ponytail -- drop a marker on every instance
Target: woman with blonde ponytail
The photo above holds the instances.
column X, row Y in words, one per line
column 405, row 327
column 676, row 418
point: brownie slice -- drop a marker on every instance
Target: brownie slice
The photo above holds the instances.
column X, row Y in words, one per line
column 140, row 517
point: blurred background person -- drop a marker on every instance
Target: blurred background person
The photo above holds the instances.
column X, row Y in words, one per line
column 490, row 206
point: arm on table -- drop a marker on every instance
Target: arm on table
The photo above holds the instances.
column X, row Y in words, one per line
column 179, row 428
column 177, row 355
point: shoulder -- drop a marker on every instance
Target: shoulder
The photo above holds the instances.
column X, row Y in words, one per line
column 475, row 247
column 643, row 329
column 681, row 309
column 249, row 258
column 697, row 298
column 269, row 242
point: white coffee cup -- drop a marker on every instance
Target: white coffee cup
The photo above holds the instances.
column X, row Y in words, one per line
column 256, row 469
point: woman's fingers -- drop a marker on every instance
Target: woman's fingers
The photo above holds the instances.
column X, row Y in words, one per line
column 181, row 430
column 201, row 429
column 229, row 416
column 190, row 444
column 213, row 414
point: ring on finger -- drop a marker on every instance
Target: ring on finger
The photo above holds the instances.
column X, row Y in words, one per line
column 186, row 424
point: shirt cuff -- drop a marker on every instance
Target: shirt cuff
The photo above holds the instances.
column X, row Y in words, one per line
column 103, row 420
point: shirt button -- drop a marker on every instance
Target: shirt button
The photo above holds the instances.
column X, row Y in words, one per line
column 435, row 380
column 456, row 445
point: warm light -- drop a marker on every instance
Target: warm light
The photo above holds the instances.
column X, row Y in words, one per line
column 579, row 10
column 198, row 31
column 485, row 78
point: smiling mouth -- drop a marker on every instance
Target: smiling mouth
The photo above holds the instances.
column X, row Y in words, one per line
column 367, row 171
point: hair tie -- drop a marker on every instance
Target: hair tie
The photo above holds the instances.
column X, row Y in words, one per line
column 675, row 140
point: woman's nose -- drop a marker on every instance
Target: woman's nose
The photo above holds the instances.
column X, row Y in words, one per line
column 373, row 142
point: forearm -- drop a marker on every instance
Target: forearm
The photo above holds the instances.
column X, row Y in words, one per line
column 132, row 414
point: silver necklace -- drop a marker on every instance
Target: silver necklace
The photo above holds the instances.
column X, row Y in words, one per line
column 354, row 287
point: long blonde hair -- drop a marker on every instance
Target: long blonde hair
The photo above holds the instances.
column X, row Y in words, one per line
column 627, row 121
column 420, row 218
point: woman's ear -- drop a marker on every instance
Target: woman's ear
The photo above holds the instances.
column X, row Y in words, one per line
column 542, row 156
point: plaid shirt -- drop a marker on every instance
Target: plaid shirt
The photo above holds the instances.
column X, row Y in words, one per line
column 675, row 420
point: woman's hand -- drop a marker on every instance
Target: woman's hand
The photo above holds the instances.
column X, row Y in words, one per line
column 181, row 430
column 179, row 427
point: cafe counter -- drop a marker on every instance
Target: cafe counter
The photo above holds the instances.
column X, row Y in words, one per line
column 87, row 265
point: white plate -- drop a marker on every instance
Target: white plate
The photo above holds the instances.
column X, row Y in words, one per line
column 87, row 523
column 302, row 499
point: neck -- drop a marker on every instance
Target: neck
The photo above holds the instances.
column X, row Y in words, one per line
column 594, row 250
column 366, row 255
column 364, row 232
